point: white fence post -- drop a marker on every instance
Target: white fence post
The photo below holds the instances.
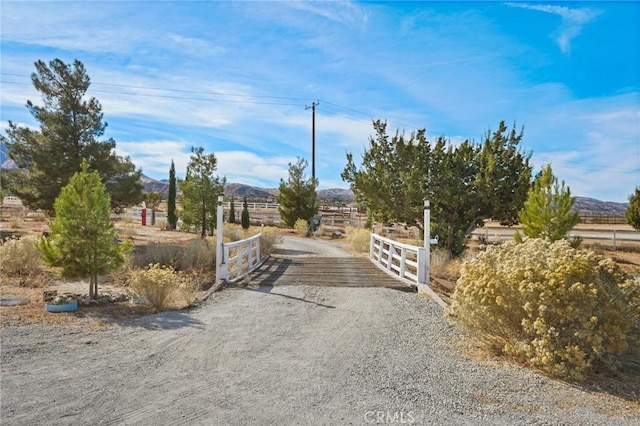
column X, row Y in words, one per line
column 427, row 244
column 220, row 275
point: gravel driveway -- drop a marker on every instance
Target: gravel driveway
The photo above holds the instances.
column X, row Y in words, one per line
column 281, row 356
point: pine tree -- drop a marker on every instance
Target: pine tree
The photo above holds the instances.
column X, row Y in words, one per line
column 547, row 211
column 297, row 198
column 633, row 211
column 200, row 189
column 232, row 211
column 82, row 238
column 172, row 217
column 70, row 128
column 245, row 220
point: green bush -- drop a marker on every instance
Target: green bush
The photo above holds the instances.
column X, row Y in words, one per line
column 548, row 305
column 21, row 264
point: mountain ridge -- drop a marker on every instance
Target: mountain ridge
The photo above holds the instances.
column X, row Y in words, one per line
column 345, row 196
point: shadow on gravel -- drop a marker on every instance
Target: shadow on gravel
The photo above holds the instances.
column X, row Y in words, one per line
column 168, row 320
column 268, row 290
column 624, row 382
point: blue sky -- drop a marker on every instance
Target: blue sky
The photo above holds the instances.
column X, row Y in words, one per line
column 235, row 78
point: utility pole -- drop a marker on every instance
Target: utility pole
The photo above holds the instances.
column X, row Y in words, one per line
column 313, row 138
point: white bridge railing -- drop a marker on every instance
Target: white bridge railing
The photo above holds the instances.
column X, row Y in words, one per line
column 240, row 258
column 403, row 261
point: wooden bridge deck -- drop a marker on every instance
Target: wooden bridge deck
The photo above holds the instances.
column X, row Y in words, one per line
column 323, row 271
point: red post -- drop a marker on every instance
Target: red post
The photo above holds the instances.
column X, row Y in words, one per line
column 143, row 215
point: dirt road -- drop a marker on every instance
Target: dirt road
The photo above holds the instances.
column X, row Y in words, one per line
column 282, row 355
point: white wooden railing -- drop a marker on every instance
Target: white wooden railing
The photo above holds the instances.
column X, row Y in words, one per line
column 240, row 258
column 403, row 261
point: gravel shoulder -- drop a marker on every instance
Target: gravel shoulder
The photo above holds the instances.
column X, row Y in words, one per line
column 282, row 355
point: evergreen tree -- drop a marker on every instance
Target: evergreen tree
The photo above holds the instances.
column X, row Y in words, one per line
column 466, row 183
column 504, row 175
column 232, row 211
column 547, row 211
column 82, row 238
column 172, row 217
column 297, row 198
column 633, row 211
column 200, row 189
column 245, row 220
column 70, row 127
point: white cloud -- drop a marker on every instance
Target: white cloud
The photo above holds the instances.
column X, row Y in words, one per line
column 345, row 12
column 195, row 46
column 250, row 169
column 572, row 20
column 154, row 156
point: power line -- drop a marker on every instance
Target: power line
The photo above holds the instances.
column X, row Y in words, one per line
column 189, row 98
column 205, row 92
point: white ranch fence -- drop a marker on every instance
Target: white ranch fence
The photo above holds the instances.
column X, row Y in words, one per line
column 403, row 261
column 406, row 262
column 240, row 258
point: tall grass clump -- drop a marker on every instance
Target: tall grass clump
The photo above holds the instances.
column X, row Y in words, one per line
column 269, row 237
column 21, row 263
column 359, row 239
column 199, row 255
column 548, row 305
column 157, row 252
column 232, row 232
column 444, row 265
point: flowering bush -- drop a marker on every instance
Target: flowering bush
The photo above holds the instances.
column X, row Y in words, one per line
column 160, row 285
column 301, row 227
column 548, row 305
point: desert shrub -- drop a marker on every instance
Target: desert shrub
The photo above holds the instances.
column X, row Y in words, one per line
column 21, row 264
column 158, row 253
column 548, row 305
column 161, row 223
column 440, row 258
column 199, row 255
column 445, row 266
column 159, row 285
column 189, row 284
column 232, row 232
column 301, row 227
column 359, row 239
column 14, row 222
column 269, row 237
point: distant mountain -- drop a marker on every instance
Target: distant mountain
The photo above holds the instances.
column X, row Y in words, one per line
column 591, row 205
column 152, row 185
column 336, row 195
column 239, row 191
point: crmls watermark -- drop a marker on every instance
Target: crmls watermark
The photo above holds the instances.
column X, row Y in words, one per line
column 391, row 417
